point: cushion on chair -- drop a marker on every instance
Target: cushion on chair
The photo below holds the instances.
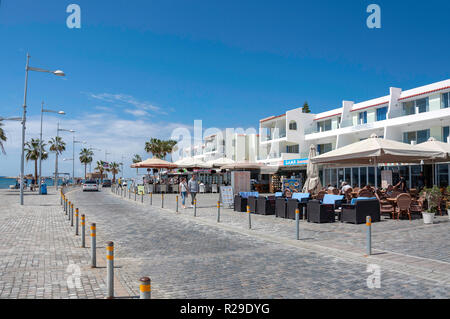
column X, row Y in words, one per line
column 331, row 199
column 279, row 194
column 354, row 200
column 300, row 196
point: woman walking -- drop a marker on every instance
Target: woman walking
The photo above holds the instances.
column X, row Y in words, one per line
column 184, row 190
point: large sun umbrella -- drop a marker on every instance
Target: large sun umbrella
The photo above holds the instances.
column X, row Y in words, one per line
column 154, row 163
column 219, row 162
column 243, row 166
column 312, row 184
column 375, row 150
column 434, row 145
column 190, row 162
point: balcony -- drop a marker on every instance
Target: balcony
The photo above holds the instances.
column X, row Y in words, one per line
column 272, row 134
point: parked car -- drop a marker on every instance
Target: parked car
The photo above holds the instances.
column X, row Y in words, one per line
column 106, row 183
column 90, row 186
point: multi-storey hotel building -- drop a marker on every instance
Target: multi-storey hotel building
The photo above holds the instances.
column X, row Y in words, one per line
column 410, row 116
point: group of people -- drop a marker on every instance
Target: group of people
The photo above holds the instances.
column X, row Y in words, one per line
column 186, row 188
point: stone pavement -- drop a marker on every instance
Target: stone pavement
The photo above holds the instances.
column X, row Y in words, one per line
column 40, row 252
column 189, row 257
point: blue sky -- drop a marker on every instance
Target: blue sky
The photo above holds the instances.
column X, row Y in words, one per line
column 138, row 69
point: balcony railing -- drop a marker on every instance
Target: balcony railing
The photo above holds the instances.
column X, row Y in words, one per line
column 272, row 134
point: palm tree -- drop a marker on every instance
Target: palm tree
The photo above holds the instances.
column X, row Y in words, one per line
column 33, row 152
column 100, row 168
column 114, row 169
column 57, row 145
column 137, row 159
column 159, row 148
column 3, row 138
column 86, row 158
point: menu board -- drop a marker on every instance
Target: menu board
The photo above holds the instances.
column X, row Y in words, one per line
column 141, row 189
column 386, row 178
column 226, row 195
column 240, row 181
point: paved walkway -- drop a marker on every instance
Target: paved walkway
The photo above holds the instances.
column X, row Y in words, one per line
column 195, row 257
column 189, row 257
column 40, row 253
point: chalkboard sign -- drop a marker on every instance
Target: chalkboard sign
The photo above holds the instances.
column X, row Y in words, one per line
column 226, row 195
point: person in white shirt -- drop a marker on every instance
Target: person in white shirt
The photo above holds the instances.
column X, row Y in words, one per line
column 345, row 187
column 184, row 191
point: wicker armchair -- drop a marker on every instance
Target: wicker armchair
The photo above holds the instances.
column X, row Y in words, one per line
column 265, row 205
column 403, row 205
column 386, row 207
column 357, row 213
column 365, row 193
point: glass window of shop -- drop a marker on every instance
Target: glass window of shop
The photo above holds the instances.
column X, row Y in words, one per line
column 371, row 179
column 327, row 175
column 381, row 113
column 355, row 174
column 340, row 177
column 363, row 176
column 333, row 181
column 415, row 173
column 348, row 176
column 442, row 171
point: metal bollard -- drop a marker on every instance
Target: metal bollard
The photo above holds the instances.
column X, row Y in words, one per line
column 110, row 270
column 76, row 221
column 83, row 231
column 68, row 213
column 134, row 195
column 177, row 204
column 249, row 218
column 151, row 199
column 297, row 222
column 162, row 200
column 61, row 199
column 304, row 213
column 71, row 216
column 142, row 198
column 369, row 236
column 65, row 206
column 93, row 245
column 195, row 207
column 145, row 288
column 129, row 194
column 218, row 211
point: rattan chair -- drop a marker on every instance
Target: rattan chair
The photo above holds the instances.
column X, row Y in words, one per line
column 403, row 205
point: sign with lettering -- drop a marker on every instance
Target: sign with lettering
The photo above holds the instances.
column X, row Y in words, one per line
column 295, row 162
column 226, row 195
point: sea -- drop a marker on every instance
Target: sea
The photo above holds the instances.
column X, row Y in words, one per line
column 6, row 181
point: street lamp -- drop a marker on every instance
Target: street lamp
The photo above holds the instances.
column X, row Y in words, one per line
column 56, row 160
column 40, row 140
column 24, row 118
column 73, row 157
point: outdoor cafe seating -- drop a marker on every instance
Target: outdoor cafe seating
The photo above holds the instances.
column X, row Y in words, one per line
column 298, row 201
column 280, row 206
column 241, row 200
column 265, row 205
column 324, row 211
column 359, row 208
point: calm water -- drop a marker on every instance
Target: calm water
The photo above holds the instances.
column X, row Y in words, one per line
column 5, row 182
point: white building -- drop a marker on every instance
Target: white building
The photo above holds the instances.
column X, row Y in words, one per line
column 410, row 116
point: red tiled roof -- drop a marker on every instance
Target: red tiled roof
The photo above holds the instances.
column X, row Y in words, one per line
column 427, row 92
column 321, row 118
column 271, row 118
column 366, row 107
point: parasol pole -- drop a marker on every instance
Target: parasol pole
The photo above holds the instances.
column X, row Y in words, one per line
column 376, row 172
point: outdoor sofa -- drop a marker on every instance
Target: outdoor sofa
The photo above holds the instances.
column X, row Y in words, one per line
column 357, row 211
column 324, row 211
column 241, row 200
column 298, row 201
column 265, row 205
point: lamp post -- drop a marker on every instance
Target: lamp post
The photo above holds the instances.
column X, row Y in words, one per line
column 40, row 141
column 56, row 160
column 73, row 157
column 24, row 117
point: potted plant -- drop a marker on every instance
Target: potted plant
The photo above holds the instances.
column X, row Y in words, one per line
column 433, row 196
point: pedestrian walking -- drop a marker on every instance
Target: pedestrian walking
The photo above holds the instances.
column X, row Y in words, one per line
column 193, row 188
column 184, row 191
